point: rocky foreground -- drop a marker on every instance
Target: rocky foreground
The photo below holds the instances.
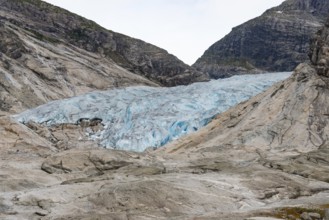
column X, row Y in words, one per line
column 266, row 158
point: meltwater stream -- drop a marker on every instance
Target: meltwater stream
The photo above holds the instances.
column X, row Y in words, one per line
column 136, row 118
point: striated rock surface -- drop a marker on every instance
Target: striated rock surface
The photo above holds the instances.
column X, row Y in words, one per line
column 48, row 53
column 278, row 40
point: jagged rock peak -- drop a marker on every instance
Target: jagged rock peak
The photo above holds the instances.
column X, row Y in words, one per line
column 319, row 51
column 318, row 8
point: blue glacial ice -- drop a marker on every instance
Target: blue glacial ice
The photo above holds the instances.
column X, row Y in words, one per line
column 136, row 118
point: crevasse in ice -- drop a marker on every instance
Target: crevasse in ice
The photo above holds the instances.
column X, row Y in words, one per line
column 136, row 118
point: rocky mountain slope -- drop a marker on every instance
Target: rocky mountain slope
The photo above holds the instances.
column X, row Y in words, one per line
column 283, row 132
column 48, row 53
column 265, row 159
column 278, row 40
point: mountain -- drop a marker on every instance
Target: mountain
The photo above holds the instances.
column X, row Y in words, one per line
column 278, row 40
column 49, row 53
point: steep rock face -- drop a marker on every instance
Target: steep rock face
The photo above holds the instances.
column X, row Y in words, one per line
column 278, row 40
column 319, row 51
column 34, row 72
column 292, row 115
column 52, row 23
column 48, row 53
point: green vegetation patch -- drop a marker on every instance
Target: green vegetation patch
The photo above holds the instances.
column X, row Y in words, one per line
column 238, row 63
column 43, row 37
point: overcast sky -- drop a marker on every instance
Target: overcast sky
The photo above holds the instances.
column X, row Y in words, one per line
column 185, row 28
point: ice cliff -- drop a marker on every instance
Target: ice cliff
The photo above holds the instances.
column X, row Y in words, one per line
column 136, row 118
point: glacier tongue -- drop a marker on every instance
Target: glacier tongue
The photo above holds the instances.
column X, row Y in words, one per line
column 136, row 118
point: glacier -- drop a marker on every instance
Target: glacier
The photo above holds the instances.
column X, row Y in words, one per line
column 136, row 118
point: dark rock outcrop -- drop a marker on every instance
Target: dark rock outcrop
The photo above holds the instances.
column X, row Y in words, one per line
column 319, row 51
column 278, row 40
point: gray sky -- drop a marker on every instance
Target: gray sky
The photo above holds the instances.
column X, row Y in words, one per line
column 185, row 28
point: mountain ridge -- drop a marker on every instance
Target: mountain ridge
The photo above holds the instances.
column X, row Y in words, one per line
column 278, row 40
